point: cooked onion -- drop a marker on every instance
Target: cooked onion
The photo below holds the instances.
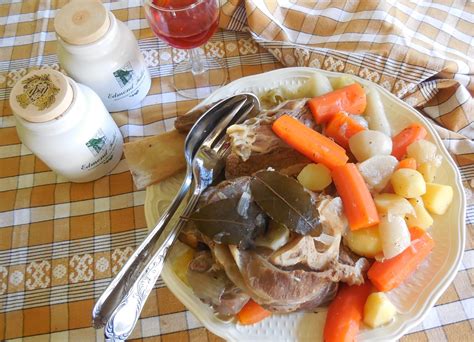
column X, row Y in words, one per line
column 394, row 235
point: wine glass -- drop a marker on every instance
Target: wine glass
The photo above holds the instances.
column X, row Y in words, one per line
column 188, row 24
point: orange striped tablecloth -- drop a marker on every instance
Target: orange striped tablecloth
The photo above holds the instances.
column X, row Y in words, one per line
column 61, row 243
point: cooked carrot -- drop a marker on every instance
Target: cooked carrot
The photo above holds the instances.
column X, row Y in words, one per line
column 308, row 142
column 359, row 205
column 416, row 233
column 409, row 135
column 345, row 313
column 349, row 99
column 341, row 128
column 407, row 163
column 252, row 313
column 390, row 273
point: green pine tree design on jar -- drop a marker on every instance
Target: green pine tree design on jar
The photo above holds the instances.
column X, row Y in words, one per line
column 124, row 75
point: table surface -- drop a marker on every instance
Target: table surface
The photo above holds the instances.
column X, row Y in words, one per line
column 61, row 243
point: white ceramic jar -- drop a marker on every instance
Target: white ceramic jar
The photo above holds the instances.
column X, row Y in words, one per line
column 66, row 125
column 101, row 52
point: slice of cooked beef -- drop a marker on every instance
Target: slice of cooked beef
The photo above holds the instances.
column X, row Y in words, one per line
column 280, row 159
column 274, row 287
column 256, row 147
column 294, row 289
column 211, row 284
column 309, row 306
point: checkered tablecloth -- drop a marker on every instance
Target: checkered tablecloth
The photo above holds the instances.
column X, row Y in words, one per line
column 61, row 243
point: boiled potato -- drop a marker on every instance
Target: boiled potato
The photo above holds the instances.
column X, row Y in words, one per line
column 315, row 177
column 420, row 218
column 428, row 170
column 424, row 151
column 408, row 183
column 368, row 143
column 365, row 241
column 437, row 198
column 377, row 171
column 394, row 235
column 393, row 204
column 378, row 310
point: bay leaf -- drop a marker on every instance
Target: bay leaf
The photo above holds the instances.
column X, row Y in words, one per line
column 222, row 222
column 285, row 201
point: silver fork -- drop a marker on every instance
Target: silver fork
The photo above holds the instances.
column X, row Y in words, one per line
column 207, row 165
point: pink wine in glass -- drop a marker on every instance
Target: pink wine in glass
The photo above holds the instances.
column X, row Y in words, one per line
column 189, row 24
column 184, row 24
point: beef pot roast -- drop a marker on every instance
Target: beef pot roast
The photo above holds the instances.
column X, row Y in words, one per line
column 291, row 284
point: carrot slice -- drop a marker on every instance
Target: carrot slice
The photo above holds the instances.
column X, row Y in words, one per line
column 349, row 99
column 341, row 128
column 390, row 273
column 407, row 163
column 308, row 142
column 416, row 233
column 359, row 205
column 402, row 140
column 252, row 313
column 345, row 313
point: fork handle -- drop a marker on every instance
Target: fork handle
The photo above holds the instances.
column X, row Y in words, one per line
column 113, row 295
column 123, row 319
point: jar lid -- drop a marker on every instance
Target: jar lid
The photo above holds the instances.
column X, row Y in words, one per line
column 41, row 95
column 82, row 22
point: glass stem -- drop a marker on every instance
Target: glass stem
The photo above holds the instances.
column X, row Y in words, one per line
column 197, row 67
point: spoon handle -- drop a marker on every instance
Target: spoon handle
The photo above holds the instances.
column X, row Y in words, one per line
column 123, row 319
column 120, row 286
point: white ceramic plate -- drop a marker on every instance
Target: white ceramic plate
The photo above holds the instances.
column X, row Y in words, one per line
column 413, row 299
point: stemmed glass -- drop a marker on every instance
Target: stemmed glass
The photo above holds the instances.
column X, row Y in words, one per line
column 188, row 24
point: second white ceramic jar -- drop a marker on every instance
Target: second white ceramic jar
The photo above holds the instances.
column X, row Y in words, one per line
column 98, row 50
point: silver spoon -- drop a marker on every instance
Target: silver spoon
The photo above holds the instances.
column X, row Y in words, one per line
column 123, row 300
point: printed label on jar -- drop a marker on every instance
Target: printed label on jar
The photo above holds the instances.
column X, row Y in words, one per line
column 39, row 91
column 129, row 80
column 101, row 147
